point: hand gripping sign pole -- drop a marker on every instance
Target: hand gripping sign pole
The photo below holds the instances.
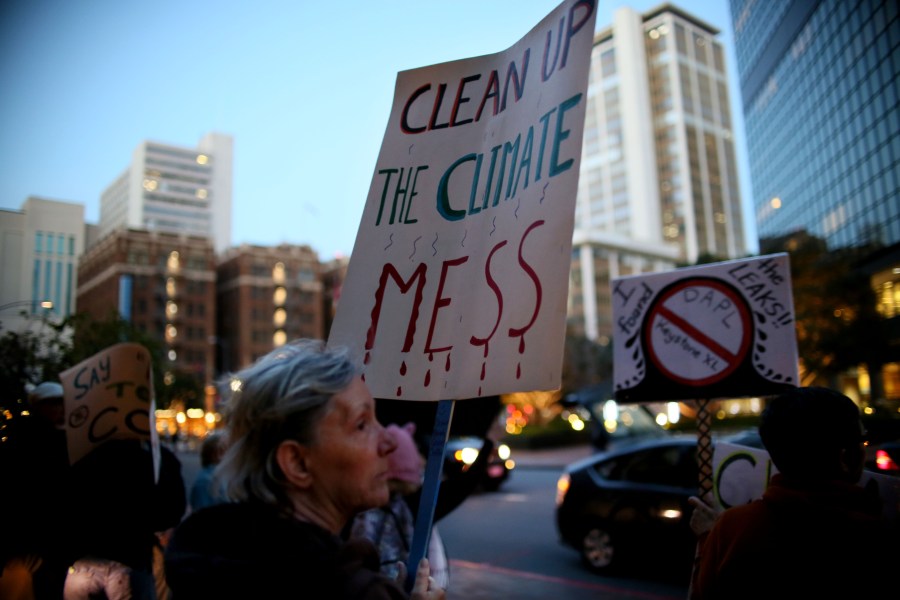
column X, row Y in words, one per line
column 430, row 488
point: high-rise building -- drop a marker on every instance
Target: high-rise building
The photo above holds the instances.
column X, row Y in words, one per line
column 164, row 284
column 266, row 296
column 658, row 185
column 820, row 89
column 174, row 189
column 40, row 245
column 820, row 85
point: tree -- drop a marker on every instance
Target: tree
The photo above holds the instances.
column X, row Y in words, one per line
column 35, row 355
column 838, row 325
column 93, row 335
column 180, row 388
column 29, row 357
column 585, row 363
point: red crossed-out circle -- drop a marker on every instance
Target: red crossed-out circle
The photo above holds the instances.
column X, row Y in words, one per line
column 675, row 328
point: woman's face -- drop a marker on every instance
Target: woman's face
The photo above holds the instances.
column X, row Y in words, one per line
column 349, row 458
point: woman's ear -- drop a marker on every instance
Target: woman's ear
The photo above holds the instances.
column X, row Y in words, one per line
column 291, row 458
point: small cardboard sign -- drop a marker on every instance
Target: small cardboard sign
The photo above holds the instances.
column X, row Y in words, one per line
column 110, row 396
column 723, row 330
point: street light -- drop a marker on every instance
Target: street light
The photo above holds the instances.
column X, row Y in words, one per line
column 45, row 304
column 24, row 319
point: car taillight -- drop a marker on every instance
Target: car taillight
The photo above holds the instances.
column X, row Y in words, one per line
column 884, row 462
column 562, row 486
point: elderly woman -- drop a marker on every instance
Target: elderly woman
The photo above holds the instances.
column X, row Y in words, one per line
column 306, row 453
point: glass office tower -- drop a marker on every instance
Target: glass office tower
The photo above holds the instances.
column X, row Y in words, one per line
column 820, row 90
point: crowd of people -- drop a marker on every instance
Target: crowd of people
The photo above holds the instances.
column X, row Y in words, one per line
column 306, row 491
column 86, row 530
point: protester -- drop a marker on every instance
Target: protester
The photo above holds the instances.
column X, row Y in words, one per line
column 116, row 510
column 305, row 454
column 34, row 461
column 391, row 526
column 815, row 533
column 205, row 489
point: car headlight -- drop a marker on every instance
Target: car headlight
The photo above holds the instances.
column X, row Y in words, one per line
column 562, row 486
column 466, row 455
column 503, row 451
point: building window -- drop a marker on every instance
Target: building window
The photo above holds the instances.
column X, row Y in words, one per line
column 278, row 273
column 306, row 274
column 57, row 292
column 608, row 63
column 48, row 275
column 36, row 281
column 69, row 287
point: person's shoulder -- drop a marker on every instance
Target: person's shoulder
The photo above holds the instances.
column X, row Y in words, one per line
column 256, row 525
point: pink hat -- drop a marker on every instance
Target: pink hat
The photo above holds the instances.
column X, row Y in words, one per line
column 405, row 462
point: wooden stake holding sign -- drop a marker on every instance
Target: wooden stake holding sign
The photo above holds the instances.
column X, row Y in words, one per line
column 457, row 284
column 704, row 447
column 704, row 460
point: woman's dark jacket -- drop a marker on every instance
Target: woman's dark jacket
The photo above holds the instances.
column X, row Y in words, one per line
column 248, row 550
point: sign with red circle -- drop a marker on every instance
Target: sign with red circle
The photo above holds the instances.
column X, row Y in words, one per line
column 698, row 331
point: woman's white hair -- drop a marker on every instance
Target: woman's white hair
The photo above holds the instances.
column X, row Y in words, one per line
column 280, row 397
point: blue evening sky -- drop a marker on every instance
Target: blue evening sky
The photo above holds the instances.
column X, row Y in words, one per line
column 304, row 87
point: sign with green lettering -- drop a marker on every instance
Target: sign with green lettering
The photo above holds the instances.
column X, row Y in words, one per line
column 458, row 281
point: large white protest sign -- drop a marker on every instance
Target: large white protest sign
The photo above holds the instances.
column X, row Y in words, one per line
column 712, row 331
column 458, row 279
column 110, row 396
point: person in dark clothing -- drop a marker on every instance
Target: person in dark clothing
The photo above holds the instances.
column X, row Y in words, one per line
column 391, row 527
column 305, row 454
column 34, row 461
column 116, row 509
column 815, row 533
column 205, row 489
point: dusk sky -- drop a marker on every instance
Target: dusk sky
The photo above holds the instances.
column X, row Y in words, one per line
column 305, row 88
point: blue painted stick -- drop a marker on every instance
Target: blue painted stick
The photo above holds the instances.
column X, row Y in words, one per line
column 430, row 487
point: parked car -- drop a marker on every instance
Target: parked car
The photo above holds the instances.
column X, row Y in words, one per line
column 628, row 507
column 462, row 451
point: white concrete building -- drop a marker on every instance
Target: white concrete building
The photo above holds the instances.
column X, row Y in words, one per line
column 40, row 245
column 658, row 185
column 174, row 189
